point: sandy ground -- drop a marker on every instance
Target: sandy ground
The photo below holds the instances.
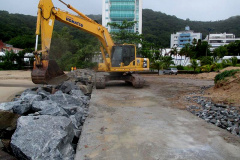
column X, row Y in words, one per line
column 14, row 82
column 151, row 124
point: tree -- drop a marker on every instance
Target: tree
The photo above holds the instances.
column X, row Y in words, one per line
column 233, row 48
column 194, row 42
column 156, row 60
column 167, row 61
column 158, row 64
column 194, row 64
column 220, row 52
column 123, row 35
column 185, row 51
column 20, row 59
column 174, row 51
column 23, row 41
column 9, row 57
column 207, row 60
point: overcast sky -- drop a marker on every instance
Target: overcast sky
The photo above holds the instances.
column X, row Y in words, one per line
column 200, row 10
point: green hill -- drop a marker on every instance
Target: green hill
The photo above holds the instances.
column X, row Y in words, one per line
column 157, row 26
column 19, row 29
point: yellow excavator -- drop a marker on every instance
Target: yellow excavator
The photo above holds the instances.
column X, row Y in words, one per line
column 120, row 61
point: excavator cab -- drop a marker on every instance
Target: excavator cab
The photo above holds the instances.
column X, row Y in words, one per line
column 122, row 55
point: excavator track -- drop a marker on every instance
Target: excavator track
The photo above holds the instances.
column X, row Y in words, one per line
column 137, row 81
column 100, row 82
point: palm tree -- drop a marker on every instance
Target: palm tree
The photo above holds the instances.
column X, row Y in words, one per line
column 174, row 52
column 161, row 51
column 194, row 42
column 194, row 64
column 185, row 51
column 158, row 64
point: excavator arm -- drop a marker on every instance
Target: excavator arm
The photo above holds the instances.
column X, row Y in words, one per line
column 46, row 69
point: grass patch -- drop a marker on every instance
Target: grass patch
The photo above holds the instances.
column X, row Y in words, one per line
column 223, row 75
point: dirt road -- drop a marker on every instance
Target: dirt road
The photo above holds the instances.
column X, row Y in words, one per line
column 151, row 124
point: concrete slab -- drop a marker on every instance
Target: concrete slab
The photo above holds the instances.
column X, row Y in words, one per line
column 142, row 124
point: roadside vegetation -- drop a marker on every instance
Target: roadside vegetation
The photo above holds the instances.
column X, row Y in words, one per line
column 12, row 61
column 222, row 76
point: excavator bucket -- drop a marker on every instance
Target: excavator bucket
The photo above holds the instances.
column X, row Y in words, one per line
column 48, row 71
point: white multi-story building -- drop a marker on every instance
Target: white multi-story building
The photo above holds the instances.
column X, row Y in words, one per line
column 217, row 40
column 120, row 10
column 184, row 37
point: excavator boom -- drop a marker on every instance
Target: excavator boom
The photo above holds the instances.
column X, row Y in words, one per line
column 45, row 69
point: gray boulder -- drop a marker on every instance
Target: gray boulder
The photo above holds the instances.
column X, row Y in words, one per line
column 65, row 99
column 21, row 107
column 77, row 132
column 54, row 111
column 77, row 119
column 87, row 89
column 43, row 137
column 71, row 109
column 31, row 97
column 8, row 106
column 48, row 107
column 28, row 91
column 77, row 93
column 42, row 105
column 43, row 93
column 67, row 86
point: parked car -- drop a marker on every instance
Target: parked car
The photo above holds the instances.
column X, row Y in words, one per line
column 170, row 71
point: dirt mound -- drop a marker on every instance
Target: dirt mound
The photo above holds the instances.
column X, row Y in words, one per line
column 229, row 68
column 226, row 91
column 211, row 75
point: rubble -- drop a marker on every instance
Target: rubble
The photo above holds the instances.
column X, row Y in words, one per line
column 52, row 118
column 222, row 115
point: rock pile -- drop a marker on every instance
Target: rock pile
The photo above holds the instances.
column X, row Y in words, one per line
column 51, row 118
column 221, row 115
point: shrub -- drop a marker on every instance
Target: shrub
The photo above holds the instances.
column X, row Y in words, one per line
column 207, row 60
column 180, row 67
column 218, row 66
column 206, row 68
column 223, row 75
column 234, row 61
column 226, row 63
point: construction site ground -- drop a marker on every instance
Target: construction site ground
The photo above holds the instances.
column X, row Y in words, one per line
column 151, row 123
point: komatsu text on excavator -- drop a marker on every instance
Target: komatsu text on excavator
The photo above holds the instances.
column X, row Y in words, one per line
column 120, row 61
